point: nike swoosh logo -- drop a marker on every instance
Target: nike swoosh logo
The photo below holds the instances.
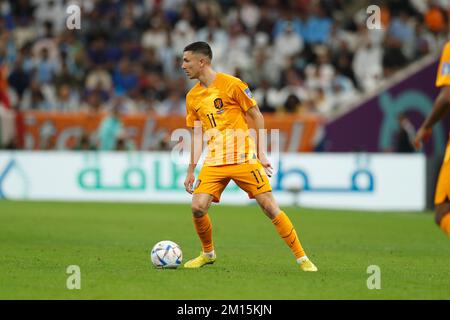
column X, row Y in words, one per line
column 293, row 241
column 196, row 110
column 260, row 186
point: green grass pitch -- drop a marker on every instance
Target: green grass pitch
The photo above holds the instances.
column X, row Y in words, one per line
column 111, row 243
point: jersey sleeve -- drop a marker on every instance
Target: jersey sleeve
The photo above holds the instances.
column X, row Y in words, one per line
column 191, row 115
column 443, row 74
column 242, row 94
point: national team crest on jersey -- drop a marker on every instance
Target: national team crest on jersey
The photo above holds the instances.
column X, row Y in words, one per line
column 218, row 104
column 248, row 93
column 445, row 69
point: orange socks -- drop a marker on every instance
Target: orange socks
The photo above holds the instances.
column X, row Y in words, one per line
column 445, row 224
column 282, row 223
column 204, row 230
column 286, row 230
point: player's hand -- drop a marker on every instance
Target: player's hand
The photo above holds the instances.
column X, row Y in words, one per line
column 266, row 164
column 189, row 183
column 422, row 135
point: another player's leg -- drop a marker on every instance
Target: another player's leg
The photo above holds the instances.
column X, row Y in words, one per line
column 442, row 194
column 203, row 226
column 442, row 217
column 285, row 229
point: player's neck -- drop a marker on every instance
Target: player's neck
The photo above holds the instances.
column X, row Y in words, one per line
column 207, row 78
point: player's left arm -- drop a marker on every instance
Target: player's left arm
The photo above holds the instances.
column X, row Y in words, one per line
column 442, row 102
column 440, row 108
column 244, row 97
column 258, row 119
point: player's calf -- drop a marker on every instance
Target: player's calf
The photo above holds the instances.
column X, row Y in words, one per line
column 202, row 223
column 268, row 205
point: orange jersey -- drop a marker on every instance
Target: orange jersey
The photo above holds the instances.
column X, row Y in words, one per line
column 443, row 74
column 221, row 110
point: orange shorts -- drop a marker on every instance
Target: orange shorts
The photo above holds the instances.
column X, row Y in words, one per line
column 443, row 185
column 250, row 177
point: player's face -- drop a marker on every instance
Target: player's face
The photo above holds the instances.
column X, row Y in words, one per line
column 192, row 64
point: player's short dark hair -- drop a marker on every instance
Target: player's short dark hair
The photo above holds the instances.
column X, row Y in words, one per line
column 200, row 47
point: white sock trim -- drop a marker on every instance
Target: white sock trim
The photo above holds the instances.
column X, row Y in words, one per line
column 211, row 254
column 301, row 259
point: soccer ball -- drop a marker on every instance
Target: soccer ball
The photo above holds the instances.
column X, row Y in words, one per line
column 166, row 254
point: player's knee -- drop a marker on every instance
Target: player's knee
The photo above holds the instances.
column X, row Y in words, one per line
column 199, row 209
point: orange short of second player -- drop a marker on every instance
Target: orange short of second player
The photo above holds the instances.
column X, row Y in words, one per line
column 249, row 176
column 443, row 184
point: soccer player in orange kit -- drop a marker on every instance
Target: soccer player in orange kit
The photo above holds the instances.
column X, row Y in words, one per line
column 219, row 103
column 440, row 108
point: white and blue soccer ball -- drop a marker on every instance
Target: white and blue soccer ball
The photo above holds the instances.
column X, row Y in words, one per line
column 166, row 254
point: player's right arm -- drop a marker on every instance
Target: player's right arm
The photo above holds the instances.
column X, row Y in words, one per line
column 196, row 152
column 193, row 122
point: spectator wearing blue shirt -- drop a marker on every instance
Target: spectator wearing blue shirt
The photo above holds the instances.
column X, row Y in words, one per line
column 124, row 77
column 18, row 78
column 97, row 53
column 46, row 68
column 318, row 26
column 402, row 34
column 291, row 21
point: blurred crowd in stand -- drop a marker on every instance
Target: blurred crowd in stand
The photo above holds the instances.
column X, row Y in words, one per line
column 298, row 56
